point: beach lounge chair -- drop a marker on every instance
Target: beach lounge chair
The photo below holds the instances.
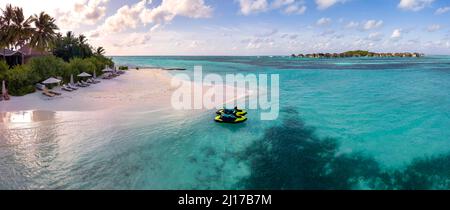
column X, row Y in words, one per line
column 66, row 88
column 89, row 81
column 54, row 93
column 73, row 87
column 80, row 85
column 40, row 86
column 92, row 81
column 46, row 93
column 46, row 90
column 85, row 83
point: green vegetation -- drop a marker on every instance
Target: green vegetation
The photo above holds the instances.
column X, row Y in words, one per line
column 355, row 53
column 123, row 67
column 358, row 53
column 16, row 31
column 71, row 46
column 22, row 78
column 66, row 55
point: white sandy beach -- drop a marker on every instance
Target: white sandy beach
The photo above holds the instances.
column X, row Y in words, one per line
column 145, row 90
column 133, row 87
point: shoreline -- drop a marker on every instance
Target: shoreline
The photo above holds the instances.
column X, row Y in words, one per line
column 145, row 90
column 107, row 94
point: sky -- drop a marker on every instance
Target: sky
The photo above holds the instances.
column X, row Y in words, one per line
column 252, row 27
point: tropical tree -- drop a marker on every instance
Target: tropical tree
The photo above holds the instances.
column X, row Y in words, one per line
column 21, row 29
column 44, row 34
column 71, row 46
column 82, row 39
column 100, row 51
column 2, row 34
column 6, row 25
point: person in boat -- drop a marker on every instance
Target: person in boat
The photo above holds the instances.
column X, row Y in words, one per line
column 236, row 111
column 230, row 118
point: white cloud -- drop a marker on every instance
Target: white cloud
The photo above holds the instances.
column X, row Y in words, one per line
column 134, row 39
column 372, row 24
column 414, row 5
column 128, row 17
column 325, row 4
column 290, row 36
column 248, row 7
column 442, row 10
column 34, row 7
column 352, row 25
column 257, row 43
column 280, row 3
column 323, row 21
column 376, row 36
column 295, row 9
column 169, row 9
column 434, row 27
column 253, row 6
column 327, row 32
column 267, row 33
column 396, row 34
column 69, row 14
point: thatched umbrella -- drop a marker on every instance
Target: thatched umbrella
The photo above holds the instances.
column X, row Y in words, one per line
column 51, row 80
column 84, row 74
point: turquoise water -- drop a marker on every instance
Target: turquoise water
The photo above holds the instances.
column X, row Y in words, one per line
column 358, row 123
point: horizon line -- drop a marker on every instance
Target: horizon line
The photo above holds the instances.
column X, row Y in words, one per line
column 226, row 55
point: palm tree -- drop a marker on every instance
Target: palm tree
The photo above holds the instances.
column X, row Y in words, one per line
column 82, row 39
column 2, row 34
column 7, row 36
column 44, row 34
column 21, row 28
column 100, row 51
column 70, row 36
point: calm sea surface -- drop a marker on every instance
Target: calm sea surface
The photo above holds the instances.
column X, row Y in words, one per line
column 358, row 123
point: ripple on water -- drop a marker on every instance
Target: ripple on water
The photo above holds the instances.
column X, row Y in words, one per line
column 26, row 116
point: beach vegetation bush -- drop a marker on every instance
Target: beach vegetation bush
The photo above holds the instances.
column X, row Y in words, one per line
column 47, row 66
column 123, row 67
column 100, row 62
column 3, row 68
column 77, row 66
column 20, row 80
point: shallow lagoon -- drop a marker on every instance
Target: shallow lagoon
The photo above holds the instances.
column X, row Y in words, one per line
column 362, row 125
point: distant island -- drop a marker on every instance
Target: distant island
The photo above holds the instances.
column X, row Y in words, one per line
column 358, row 53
